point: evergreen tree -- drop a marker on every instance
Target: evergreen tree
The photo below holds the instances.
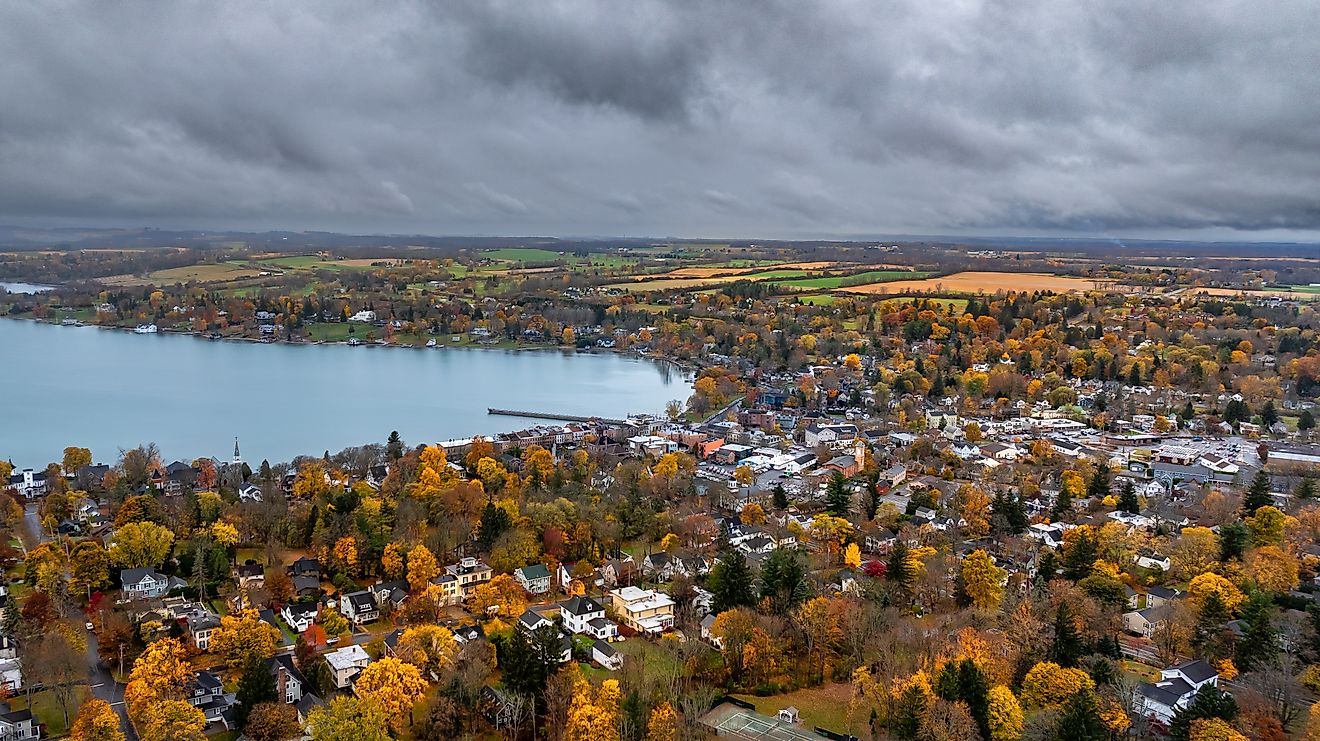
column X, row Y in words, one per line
column 780, row 497
column 1067, row 647
column 895, row 567
column 1079, row 719
column 1080, row 555
column 1258, row 494
column 1209, row 702
column 783, row 579
column 1233, row 539
column 1063, row 502
column 255, row 685
column 1127, row 501
column 1258, row 647
column 1098, row 486
column 1188, row 412
column 730, row 582
column 528, row 660
column 1268, row 414
column 837, row 499
column 394, row 446
column 494, row 521
column 1306, row 421
column 906, row 720
column 1305, row 488
column 964, row 681
column 1210, row 624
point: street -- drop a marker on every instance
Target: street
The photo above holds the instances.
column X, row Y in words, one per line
column 104, row 687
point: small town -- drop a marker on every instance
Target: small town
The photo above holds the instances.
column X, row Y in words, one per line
column 869, row 547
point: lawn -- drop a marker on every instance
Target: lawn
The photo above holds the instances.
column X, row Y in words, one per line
column 819, row 299
column 340, row 331
column 838, row 281
column 522, row 254
column 47, row 710
column 825, row 706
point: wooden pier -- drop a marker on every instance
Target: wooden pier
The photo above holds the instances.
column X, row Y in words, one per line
column 553, row 416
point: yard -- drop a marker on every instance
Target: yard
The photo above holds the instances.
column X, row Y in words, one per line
column 47, row 710
column 825, row 706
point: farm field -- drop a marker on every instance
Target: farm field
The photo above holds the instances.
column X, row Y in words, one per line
column 838, row 281
column 522, row 254
column 984, row 282
column 200, row 273
column 676, row 284
column 1303, row 293
column 314, row 262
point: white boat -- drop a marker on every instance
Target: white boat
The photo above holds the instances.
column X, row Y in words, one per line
column 354, row 342
column 430, row 343
column 145, row 329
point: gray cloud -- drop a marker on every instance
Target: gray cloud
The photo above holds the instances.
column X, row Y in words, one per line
column 766, row 118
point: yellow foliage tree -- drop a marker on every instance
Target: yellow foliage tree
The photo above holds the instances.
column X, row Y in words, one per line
column 346, row 555
column 499, row 597
column 140, row 544
column 348, row 718
column 1273, row 569
column 1050, row 685
column 1114, row 717
column 224, row 533
column 243, row 636
column 593, row 716
column 96, row 721
column 1213, row 729
column 663, row 723
column 393, row 686
column 173, row 720
column 1004, row 714
column 428, row 647
column 162, row 670
column 391, row 561
column 1201, row 586
column 669, row 543
column 311, row 481
column 983, row 580
column 752, row 514
column 422, row 568
column 1267, row 526
column 852, row 556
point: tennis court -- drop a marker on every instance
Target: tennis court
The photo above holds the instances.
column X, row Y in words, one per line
column 731, row 721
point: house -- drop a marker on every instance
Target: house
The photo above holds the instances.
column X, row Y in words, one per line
column 531, row 621
column 1153, row 560
column 470, row 573
column 360, row 607
column 390, row 595
column 605, row 655
column 846, row 465
column 299, row 615
column 586, row 616
column 251, row 575
column 345, row 665
column 501, row 710
column 643, row 610
column 11, row 676
column 1143, row 622
column 1175, row 689
column 534, row 578
column 707, row 623
column 146, row 583
column 206, row 693
column 250, row 493
column 16, row 724
column 818, row 434
column 199, row 621
column 29, row 483
column 289, row 682
column 618, row 571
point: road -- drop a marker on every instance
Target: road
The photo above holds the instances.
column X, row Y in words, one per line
column 32, row 524
column 104, row 687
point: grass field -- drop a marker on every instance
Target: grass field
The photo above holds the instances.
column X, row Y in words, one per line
column 819, row 299
column 959, row 304
column 984, row 282
column 825, row 706
column 522, row 254
column 677, row 284
column 315, row 262
column 1300, row 293
column 839, row 281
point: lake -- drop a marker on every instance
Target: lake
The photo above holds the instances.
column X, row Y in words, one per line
column 107, row 390
column 24, row 287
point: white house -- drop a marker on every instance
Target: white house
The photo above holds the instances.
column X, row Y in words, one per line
column 299, row 615
column 31, row 484
column 147, row 583
column 16, row 724
column 586, row 616
column 1176, row 688
column 534, row 578
column 345, row 665
column 605, row 655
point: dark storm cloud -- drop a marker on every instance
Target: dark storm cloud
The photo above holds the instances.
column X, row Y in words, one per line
column 774, row 117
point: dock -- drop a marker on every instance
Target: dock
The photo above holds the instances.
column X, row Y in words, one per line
column 553, row 416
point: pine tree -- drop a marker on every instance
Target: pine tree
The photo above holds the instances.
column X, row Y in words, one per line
column 1063, row 502
column 1233, row 540
column 1209, row 702
column 1067, row 647
column 837, row 499
column 781, row 497
column 1127, row 501
column 1098, row 486
column 964, row 682
column 1079, row 719
column 1305, row 488
column 1258, row 646
column 494, row 521
column 783, row 579
column 1268, row 414
column 255, row 685
column 1306, row 421
column 896, row 566
column 1258, row 494
column 730, row 582
column 394, row 446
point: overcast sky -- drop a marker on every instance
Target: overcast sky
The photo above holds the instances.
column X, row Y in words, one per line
column 686, row 118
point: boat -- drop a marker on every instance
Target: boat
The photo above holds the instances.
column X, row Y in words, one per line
column 354, row 342
column 145, row 329
column 430, row 343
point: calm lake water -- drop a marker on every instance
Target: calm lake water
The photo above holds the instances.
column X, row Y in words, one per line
column 108, row 390
column 23, row 287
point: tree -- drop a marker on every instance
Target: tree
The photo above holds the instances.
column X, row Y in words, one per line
column 1305, row 488
column 1050, row 685
column 663, row 723
column 348, row 718
column 391, row 561
column 852, row 556
column 983, row 580
column 393, row 686
column 163, row 669
column 752, row 514
column 1258, row 645
column 273, row 721
column 256, row 685
column 90, row 565
column 1004, row 714
column 500, row 596
column 422, row 568
column 528, row 661
column 780, row 495
column 140, row 544
column 75, row 458
column 494, row 521
column 1213, row 729
column 96, row 721
column 138, row 508
column 1273, row 569
column 1306, row 421
column 593, row 716
column 1127, row 500
column 243, row 636
column 914, row 698
column 964, row 682
column 837, row 499
column 1258, row 493
column 1193, row 552
column 730, row 582
column 783, row 579
column 173, row 720
column 431, row 648
column 1202, row 586
column 1268, row 525
column 1209, row 702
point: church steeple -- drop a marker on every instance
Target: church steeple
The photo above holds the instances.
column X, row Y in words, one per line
column 238, row 459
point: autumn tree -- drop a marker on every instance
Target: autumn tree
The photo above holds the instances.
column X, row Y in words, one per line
column 96, row 721
column 422, row 568
column 348, row 718
column 391, row 561
column 430, row 648
column 594, row 715
column 140, row 544
column 172, row 720
column 983, row 580
column 662, row 724
column 1004, row 714
column 392, row 685
column 90, row 566
column 138, row 508
column 242, row 636
column 1050, row 685
column 501, row 596
column 162, row 670
column 75, row 458
column 273, row 721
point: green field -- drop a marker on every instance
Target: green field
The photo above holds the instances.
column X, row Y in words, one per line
column 818, row 299
column 522, row 254
column 856, row 279
column 1306, row 289
column 959, row 304
column 309, row 262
